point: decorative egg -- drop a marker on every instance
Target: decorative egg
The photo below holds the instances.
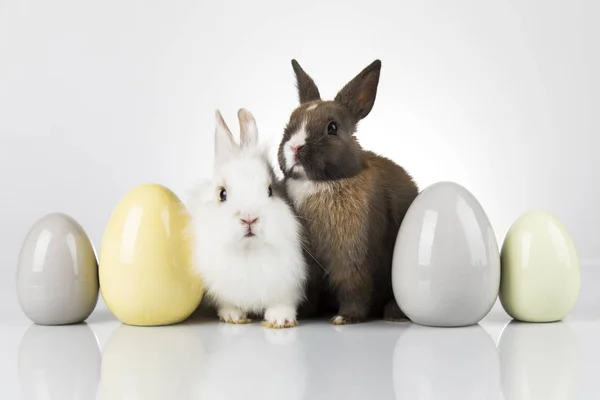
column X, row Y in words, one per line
column 540, row 269
column 146, row 271
column 446, row 263
column 57, row 273
column 540, row 361
column 59, row 363
column 460, row 363
column 163, row 362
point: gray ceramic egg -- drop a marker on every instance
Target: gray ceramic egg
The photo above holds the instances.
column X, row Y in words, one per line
column 57, row 274
column 446, row 264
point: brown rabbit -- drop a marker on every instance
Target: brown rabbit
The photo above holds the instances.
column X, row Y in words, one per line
column 351, row 201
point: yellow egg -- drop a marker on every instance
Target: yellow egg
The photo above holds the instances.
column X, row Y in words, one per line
column 540, row 276
column 145, row 262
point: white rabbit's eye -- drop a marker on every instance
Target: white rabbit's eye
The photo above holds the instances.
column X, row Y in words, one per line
column 223, row 194
column 270, row 191
column 332, row 128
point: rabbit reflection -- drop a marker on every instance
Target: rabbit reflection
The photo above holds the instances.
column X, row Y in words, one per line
column 350, row 362
column 250, row 361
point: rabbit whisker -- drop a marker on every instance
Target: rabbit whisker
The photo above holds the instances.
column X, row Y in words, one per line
column 306, row 219
column 313, row 257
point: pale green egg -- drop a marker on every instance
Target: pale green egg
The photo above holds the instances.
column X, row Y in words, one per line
column 540, row 277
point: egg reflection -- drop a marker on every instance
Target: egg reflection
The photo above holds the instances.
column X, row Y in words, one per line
column 59, row 362
column 152, row 363
column 539, row 361
column 457, row 363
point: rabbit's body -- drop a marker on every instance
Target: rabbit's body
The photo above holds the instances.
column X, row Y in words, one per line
column 351, row 201
column 247, row 240
column 252, row 279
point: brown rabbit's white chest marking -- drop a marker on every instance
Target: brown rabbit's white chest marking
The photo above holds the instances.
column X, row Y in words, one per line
column 336, row 217
column 300, row 189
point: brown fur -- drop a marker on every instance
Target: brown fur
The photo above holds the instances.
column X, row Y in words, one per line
column 307, row 90
column 356, row 205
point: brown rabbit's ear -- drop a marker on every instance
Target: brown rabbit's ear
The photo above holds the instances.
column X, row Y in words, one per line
column 307, row 90
column 225, row 145
column 359, row 94
column 248, row 129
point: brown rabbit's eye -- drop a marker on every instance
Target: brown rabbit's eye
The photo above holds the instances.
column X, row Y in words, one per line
column 332, row 128
column 223, row 194
column 270, row 191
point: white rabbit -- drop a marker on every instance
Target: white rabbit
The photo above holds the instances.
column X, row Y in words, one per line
column 247, row 241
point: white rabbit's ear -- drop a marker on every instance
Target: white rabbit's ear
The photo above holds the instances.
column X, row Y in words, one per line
column 225, row 145
column 248, row 128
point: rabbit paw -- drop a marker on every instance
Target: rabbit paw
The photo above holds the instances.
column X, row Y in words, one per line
column 233, row 316
column 280, row 317
column 343, row 320
column 392, row 312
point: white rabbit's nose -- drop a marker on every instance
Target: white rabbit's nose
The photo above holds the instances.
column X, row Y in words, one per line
column 249, row 220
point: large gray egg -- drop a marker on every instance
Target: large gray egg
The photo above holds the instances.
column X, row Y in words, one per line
column 57, row 274
column 446, row 265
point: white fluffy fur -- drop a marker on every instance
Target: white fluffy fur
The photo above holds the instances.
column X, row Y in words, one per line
column 298, row 138
column 261, row 274
column 302, row 188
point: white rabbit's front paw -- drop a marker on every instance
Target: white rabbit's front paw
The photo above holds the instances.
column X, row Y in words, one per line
column 278, row 317
column 233, row 315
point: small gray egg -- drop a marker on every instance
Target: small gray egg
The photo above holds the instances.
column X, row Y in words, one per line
column 446, row 263
column 57, row 273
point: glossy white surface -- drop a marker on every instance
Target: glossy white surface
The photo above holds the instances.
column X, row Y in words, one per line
column 208, row 360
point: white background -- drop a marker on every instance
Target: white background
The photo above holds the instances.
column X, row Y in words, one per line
column 98, row 97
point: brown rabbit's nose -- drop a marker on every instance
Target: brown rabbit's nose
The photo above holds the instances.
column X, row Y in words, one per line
column 249, row 220
column 296, row 149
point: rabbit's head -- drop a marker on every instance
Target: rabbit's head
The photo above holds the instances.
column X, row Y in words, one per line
column 243, row 205
column 318, row 141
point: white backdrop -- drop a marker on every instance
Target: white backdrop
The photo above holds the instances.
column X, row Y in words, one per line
column 98, row 97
